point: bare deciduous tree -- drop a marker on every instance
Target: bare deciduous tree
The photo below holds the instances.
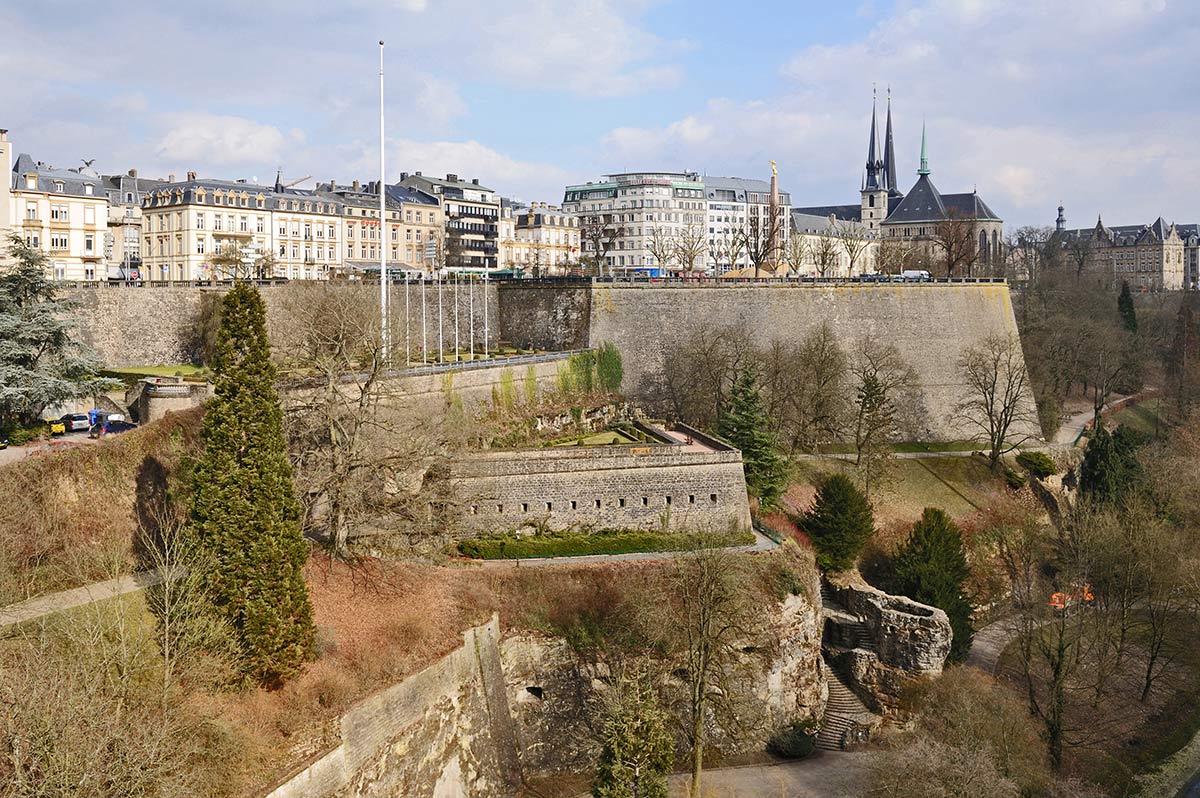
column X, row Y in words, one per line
column 826, row 253
column 954, row 237
column 796, row 253
column 599, row 233
column 852, row 238
column 997, row 398
column 690, row 244
column 663, row 246
column 761, row 238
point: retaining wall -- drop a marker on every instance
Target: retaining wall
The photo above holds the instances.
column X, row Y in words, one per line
column 444, row 731
column 152, row 325
column 615, row 487
column 931, row 324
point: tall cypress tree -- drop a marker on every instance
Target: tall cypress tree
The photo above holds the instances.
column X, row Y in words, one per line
column 931, row 567
column 637, row 749
column 746, row 426
column 1126, row 309
column 244, row 511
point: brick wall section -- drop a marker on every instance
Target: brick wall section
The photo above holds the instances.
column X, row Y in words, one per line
column 159, row 326
column 617, row 487
column 930, row 324
column 445, row 730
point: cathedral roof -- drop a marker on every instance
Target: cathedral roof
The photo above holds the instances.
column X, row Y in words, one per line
column 921, row 204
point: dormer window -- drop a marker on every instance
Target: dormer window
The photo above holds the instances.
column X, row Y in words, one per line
column 88, row 188
column 59, row 186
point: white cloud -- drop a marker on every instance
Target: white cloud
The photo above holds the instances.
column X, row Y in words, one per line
column 214, row 140
column 509, row 176
column 1029, row 102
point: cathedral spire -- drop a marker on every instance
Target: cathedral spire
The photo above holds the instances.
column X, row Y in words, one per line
column 874, row 165
column 889, row 152
column 924, row 170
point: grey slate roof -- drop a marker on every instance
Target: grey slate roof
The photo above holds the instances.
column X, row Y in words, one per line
column 923, row 203
column 189, row 189
column 73, row 182
column 845, row 212
column 741, row 186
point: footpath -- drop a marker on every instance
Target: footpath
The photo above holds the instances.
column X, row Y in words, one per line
column 34, row 608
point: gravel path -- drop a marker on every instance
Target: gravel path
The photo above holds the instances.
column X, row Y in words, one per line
column 35, row 608
column 989, row 643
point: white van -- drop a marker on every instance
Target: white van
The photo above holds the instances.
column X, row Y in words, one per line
column 915, row 276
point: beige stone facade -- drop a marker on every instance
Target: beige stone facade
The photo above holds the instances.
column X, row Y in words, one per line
column 1149, row 257
column 545, row 241
column 62, row 212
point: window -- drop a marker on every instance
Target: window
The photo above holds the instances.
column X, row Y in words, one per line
column 574, row 505
column 283, row 228
column 88, row 188
column 89, row 272
column 598, row 503
column 349, row 231
column 199, row 246
column 308, row 232
column 31, row 210
column 200, row 221
column 89, row 215
column 89, row 242
column 524, row 507
column 692, row 499
column 59, row 213
column 58, row 241
column 712, row 498
column 244, row 224
column 259, row 224
column 59, row 186
column 331, row 233
column 216, row 221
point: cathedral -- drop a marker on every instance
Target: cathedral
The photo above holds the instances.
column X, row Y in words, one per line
column 924, row 218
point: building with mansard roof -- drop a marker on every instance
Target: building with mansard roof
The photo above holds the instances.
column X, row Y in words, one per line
column 1150, row 257
column 924, row 216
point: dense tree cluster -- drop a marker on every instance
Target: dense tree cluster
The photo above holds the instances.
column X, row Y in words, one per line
column 931, row 567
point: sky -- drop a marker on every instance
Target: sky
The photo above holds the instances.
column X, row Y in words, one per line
column 1085, row 102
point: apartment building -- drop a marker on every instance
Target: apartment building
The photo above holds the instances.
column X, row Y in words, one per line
column 638, row 207
column 186, row 225
column 545, row 241
column 472, row 215
column 63, row 212
column 123, row 241
column 414, row 223
column 734, row 204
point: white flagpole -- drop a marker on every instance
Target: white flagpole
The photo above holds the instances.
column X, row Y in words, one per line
column 471, row 313
column 485, row 311
column 407, row 326
column 383, row 294
column 456, row 356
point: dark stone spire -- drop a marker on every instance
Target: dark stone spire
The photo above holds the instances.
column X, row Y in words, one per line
column 279, row 180
column 1060, row 224
column 889, row 153
column 874, row 165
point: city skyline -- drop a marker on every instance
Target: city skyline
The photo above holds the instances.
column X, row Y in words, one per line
column 1031, row 105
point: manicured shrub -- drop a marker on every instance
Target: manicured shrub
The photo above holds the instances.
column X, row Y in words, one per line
column 511, row 546
column 1039, row 464
column 839, row 523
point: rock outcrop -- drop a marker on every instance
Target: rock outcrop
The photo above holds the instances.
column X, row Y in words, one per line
column 882, row 643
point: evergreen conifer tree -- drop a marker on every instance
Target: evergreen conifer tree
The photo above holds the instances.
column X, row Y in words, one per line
column 1126, row 309
column 931, row 567
column 637, row 750
column 745, row 425
column 1110, row 468
column 244, row 511
column 839, row 523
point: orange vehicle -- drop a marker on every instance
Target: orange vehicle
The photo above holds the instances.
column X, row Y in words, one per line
column 1077, row 595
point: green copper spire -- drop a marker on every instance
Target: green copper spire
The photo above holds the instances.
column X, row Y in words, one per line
column 924, row 170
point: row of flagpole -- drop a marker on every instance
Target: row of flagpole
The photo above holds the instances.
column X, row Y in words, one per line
column 385, row 282
column 452, row 284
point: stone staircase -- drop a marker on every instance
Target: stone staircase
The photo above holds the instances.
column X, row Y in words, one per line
column 845, row 713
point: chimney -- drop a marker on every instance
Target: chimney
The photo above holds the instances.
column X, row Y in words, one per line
column 451, row 178
column 171, row 177
column 133, row 173
column 403, row 176
column 475, row 180
column 355, row 185
column 3, row 134
column 418, row 174
column 191, row 176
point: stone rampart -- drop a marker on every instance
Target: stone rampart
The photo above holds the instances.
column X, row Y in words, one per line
column 152, row 325
column 931, row 324
column 443, row 731
column 598, row 487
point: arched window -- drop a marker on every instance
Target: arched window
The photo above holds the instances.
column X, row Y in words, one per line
column 996, row 246
column 983, row 245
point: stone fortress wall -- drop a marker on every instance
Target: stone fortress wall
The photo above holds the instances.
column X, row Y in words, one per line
column 153, row 325
column 930, row 324
column 634, row 486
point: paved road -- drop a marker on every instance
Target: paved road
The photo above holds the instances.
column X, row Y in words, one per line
column 35, row 608
column 761, row 543
column 15, row 453
column 824, row 775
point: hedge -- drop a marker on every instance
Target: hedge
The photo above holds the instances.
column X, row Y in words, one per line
column 574, row 544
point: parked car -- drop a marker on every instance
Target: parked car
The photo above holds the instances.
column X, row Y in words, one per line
column 110, row 426
column 915, row 276
column 76, row 422
column 56, row 425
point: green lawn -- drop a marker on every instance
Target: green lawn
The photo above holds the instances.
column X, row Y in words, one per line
column 910, row 446
column 179, row 370
column 610, row 437
column 1141, row 417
